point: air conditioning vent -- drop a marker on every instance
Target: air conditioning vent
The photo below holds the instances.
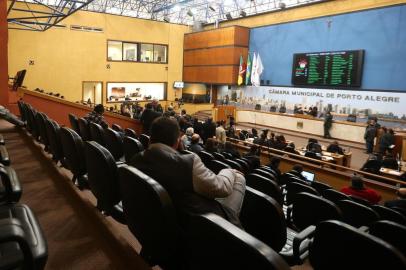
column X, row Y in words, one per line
column 86, row 28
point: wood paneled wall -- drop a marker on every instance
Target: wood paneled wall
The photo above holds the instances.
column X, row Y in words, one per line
column 214, row 56
column 3, row 54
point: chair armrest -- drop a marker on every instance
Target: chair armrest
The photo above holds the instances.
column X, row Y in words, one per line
column 364, row 229
column 300, row 252
column 13, row 188
column 13, row 232
column 289, row 215
column 4, row 158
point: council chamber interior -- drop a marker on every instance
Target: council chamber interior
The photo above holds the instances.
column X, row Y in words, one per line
column 203, row 134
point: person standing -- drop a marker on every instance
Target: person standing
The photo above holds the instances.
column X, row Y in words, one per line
column 369, row 136
column 328, row 122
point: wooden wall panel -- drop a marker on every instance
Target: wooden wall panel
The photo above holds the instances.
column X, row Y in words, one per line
column 3, row 54
column 214, row 56
column 211, row 74
column 216, row 38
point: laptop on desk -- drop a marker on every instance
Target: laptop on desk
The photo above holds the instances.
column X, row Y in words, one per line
column 308, row 175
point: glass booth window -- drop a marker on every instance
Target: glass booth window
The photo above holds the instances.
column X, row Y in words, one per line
column 115, row 50
column 160, row 53
column 130, row 51
column 147, row 52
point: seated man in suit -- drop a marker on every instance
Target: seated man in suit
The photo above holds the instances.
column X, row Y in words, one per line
column 193, row 188
column 334, row 147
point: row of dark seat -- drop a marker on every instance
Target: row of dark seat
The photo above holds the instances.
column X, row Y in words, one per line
column 22, row 242
column 211, row 242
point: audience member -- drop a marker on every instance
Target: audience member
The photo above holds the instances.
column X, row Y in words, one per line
column 400, row 202
column 192, row 187
column 290, row 148
column 357, row 189
column 253, row 156
column 195, row 146
column 221, row 133
column 274, row 165
column 297, row 171
column 96, row 116
column 147, row 116
column 280, row 142
column 229, row 148
column 209, row 129
column 211, row 145
column 334, row 147
column 187, row 137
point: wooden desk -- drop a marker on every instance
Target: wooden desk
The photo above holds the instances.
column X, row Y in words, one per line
column 391, row 173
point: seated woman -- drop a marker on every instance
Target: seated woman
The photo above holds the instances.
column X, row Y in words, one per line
column 334, row 147
column 229, row 148
column 357, row 189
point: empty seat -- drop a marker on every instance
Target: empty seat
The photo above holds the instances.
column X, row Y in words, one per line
column 55, row 145
column 117, row 128
column 144, row 139
column 335, row 196
column 263, row 218
column 265, row 173
column 357, row 214
column 391, row 232
column 320, row 186
column 103, row 180
column 22, row 242
column 216, row 166
column 206, row 157
column 360, row 200
column 131, row 147
column 293, row 188
column 73, row 120
column 74, row 153
column 130, row 133
column 114, row 143
column 389, row 214
column 40, row 121
column 266, row 186
column 151, row 217
column 227, row 155
column 97, row 133
column 215, row 243
column 309, row 209
column 21, row 110
column 337, row 246
column 11, row 189
column 218, row 156
column 244, row 165
column 233, row 164
column 84, row 129
column 33, row 126
column 4, row 157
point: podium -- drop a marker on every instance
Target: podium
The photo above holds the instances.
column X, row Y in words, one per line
column 223, row 113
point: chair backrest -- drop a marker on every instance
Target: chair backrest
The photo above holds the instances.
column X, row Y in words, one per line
column 73, row 120
column 337, row 245
column 265, row 185
column 21, row 110
column 130, row 133
column 357, row 214
column 360, row 200
column 217, row 244
column 131, row 147
column 73, row 151
column 244, row 165
column 84, row 129
column 117, row 128
column 114, row 143
column 293, row 188
column 309, row 209
column 262, row 217
column 144, row 139
column 33, row 123
column 97, row 133
column 227, row 155
column 216, row 166
column 206, row 157
column 54, row 138
column 150, row 213
column 264, row 173
column 40, row 121
column 102, row 175
column 219, row 156
column 387, row 213
column 320, row 186
column 391, row 232
column 233, row 164
column 335, row 195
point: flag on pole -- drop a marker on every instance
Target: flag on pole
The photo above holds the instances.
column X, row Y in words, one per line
column 241, row 71
column 257, row 69
column 248, row 72
column 254, row 68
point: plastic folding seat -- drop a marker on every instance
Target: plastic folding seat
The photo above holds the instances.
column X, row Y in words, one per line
column 97, row 133
column 11, row 189
column 144, row 139
column 114, row 143
column 84, row 129
column 74, row 153
column 391, row 232
column 206, row 157
column 117, row 128
column 215, row 243
column 263, row 218
column 218, row 156
column 131, row 147
column 22, row 242
column 357, row 214
column 387, row 213
column 40, row 121
column 130, row 133
column 320, row 186
column 151, row 218
column 73, row 120
column 266, row 186
column 338, row 246
column 335, row 195
column 103, row 180
column 309, row 209
column 216, row 166
column 54, row 138
column 4, row 157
